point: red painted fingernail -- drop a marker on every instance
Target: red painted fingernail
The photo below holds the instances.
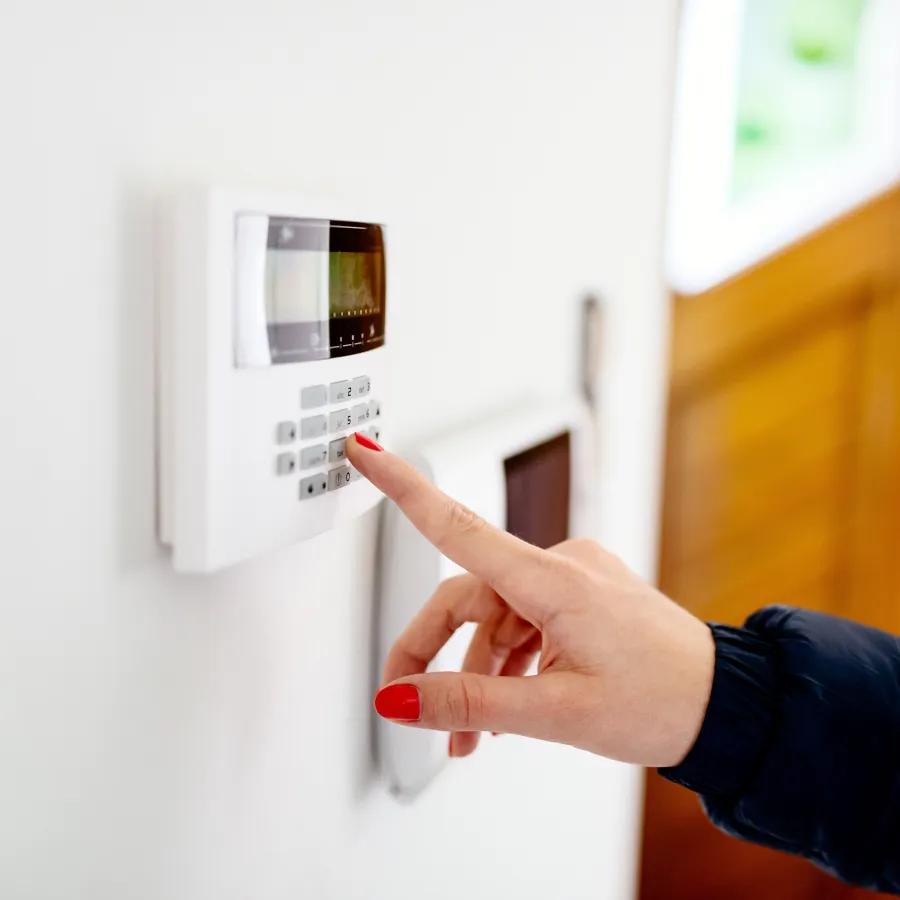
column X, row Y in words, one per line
column 450, row 747
column 399, row 702
column 367, row 442
column 494, row 733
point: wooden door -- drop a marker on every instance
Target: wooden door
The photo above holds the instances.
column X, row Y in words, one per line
column 782, row 486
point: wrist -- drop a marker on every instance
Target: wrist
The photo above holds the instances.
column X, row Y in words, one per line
column 695, row 690
column 738, row 716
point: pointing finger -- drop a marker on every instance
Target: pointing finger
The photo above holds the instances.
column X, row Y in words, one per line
column 524, row 575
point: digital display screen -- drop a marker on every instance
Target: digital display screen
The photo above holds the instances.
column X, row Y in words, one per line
column 324, row 289
column 538, row 486
column 354, row 280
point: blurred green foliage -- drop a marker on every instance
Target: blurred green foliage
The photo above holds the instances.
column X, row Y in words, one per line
column 796, row 88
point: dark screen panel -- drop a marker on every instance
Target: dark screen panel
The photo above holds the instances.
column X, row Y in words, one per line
column 537, row 492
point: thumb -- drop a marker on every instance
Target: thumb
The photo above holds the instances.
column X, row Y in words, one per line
column 466, row 701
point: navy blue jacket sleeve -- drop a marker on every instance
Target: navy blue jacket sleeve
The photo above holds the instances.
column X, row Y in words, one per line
column 800, row 747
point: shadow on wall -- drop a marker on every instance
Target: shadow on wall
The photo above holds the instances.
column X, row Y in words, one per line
column 135, row 376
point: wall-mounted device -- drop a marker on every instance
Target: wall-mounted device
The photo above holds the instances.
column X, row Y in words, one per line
column 529, row 473
column 272, row 333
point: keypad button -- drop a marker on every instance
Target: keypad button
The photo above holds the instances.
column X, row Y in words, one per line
column 362, row 386
column 340, row 420
column 340, row 391
column 355, row 474
column 310, row 457
column 374, row 409
column 313, row 427
column 286, row 464
column 337, row 450
column 314, row 396
column 314, row 486
column 360, row 414
column 375, row 433
column 338, row 478
column 286, row 432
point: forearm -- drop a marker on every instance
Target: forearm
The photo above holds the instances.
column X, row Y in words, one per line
column 800, row 748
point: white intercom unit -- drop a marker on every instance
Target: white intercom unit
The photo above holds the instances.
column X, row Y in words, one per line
column 271, row 352
column 529, row 473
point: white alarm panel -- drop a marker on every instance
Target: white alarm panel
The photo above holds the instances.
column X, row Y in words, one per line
column 272, row 333
column 529, row 472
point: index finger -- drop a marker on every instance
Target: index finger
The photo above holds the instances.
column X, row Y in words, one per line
column 513, row 568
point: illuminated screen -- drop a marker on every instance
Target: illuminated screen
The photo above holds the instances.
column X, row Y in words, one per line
column 325, row 288
column 537, row 492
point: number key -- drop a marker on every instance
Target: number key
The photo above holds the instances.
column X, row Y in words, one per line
column 338, row 478
column 340, row 420
column 337, row 450
column 312, row 457
column 313, row 486
column 286, row 432
column 339, row 391
column 313, row 396
column 286, row 464
column 313, row 427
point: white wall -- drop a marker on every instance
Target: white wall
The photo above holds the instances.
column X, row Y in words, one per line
column 191, row 739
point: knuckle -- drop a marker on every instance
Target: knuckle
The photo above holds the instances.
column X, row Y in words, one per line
column 577, row 543
column 462, row 704
column 555, row 564
column 450, row 588
column 584, row 550
column 461, row 520
column 590, row 555
column 585, row 546
column 538, row 570
column 575, row 584
column 512, row 633
column 451, row 622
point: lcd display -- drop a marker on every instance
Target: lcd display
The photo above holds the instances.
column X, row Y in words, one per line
column 538, row 485
column 324, row 289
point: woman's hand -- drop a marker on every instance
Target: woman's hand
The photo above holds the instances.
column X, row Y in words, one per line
column 623, row 672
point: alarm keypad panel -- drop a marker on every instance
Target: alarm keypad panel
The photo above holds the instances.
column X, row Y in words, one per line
column 324, row 456
column 272, row 353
